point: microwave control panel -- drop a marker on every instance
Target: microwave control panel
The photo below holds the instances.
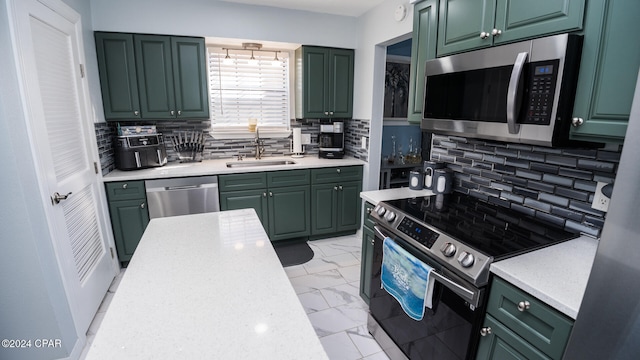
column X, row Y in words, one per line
column 543, row 77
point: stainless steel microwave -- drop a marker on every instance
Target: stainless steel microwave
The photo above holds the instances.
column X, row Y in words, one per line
column 521, row 92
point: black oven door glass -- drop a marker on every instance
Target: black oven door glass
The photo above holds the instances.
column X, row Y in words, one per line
column 445, row 333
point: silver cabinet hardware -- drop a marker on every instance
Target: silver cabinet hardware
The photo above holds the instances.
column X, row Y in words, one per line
column 179, row 112
column 524, row 305
column 124, row 186
column 142, row 206
column 485, row 331
column 577, row 121
column 338, row 171
column 484, row 35
column 136, row 113
column 496, row 32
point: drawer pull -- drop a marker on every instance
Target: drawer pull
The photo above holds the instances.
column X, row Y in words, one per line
column 142, row 206
column 524, row 305
column 124, row 186
column 485, row 331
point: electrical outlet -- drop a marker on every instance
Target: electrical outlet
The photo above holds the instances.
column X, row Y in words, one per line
column 600, row 201
column 363, row 143
column 306, row 139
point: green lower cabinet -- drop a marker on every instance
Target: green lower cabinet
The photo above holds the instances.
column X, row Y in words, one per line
column 503, row 344
column 129, row 215
column 335, row 207
column 519, row 326
column 289, row 212
column 282, row 200
column 368, row 240
column 247, row 199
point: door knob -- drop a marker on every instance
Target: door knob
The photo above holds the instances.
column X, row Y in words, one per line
column 56, row 198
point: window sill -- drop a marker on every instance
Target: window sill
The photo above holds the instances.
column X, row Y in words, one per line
column 245, row 134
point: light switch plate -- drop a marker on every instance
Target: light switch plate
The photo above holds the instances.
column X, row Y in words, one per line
column 600, row 201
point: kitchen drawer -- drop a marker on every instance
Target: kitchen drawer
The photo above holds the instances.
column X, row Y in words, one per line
column 336, row 174
column 287, row 178
column 368, row 219
column 540, row 325
column 125, row 190
column 247, row 181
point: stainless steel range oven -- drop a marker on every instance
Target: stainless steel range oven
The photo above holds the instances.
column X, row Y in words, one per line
column 459, row 236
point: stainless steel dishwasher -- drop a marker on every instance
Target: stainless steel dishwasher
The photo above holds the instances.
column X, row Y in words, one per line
column 182, row 196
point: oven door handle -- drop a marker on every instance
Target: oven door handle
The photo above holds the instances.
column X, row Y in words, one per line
column 471, row 296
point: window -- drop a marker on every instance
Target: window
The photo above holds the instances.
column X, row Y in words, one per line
column 241, row 89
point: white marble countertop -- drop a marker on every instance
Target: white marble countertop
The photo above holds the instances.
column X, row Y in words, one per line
column 556, row 275
column 217, row 167
column 375, row 196
column 206, row 286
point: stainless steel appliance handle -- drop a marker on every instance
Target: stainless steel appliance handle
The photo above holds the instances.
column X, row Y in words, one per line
column 461, row 291
column 513, row 105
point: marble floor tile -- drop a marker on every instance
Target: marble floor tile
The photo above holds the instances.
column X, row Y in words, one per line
column 340, row 347
column 377, row 356
column 321, row 280
column 365, row 343
column 295, row 271
column 338, row 245
column 350, row 273
column 320, row 264
column 313, row 301
column 343, row 294
column 337, row 319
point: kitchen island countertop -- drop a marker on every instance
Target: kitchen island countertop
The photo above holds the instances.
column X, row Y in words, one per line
column 219, row 167
column 206, row 286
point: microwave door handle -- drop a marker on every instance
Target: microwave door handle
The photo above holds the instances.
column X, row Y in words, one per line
column 514, row 93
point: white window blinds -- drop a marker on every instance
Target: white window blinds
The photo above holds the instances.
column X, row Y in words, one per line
column 242, row 88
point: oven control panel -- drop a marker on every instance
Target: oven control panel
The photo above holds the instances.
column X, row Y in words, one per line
column 418, row 232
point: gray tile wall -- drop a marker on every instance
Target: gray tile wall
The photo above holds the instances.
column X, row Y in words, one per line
column 556, row 185
column 226, row 149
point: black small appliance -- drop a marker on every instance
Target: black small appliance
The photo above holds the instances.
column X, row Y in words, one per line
column 331, row 140
column 140, row 151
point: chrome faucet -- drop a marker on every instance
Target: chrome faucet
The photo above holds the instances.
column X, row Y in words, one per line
column 259, row 145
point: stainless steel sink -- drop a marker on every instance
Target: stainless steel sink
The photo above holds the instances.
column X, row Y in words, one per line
column 243, row 163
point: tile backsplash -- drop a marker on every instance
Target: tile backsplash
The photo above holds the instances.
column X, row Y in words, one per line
column 555, row 185
column 226, row 149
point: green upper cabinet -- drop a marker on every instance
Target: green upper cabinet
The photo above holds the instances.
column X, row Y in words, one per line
column 608, row 71
column 152, row 77
column 324, row 82
column 118, row 78
column 423, row 48
column 155, row 76
column 472, row 24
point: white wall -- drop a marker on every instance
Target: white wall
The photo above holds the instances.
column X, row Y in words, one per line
column 225, row 20
column 376, row 29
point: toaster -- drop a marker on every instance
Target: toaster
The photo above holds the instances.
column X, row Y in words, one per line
column 140, row 151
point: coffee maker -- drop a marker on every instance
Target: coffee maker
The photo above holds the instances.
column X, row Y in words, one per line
column 331, row 140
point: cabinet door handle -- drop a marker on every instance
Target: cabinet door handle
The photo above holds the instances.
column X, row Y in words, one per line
column 172, row 112
column 142, row 206
column 270, row 194
column 524, row 305
column 326, row 113
column 496, row 32
column 136, row 113
column 124, row 186
column 340, row 187
column 484, row 35
column 179, row 112
column 338, row 171
column 335, row 188
column 485, row 331
column 264, row 194
column 577, row 121
column 330, row 112
column 368, row 210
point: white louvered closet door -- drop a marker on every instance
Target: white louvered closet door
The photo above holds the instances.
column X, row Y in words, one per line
column 50, row 44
